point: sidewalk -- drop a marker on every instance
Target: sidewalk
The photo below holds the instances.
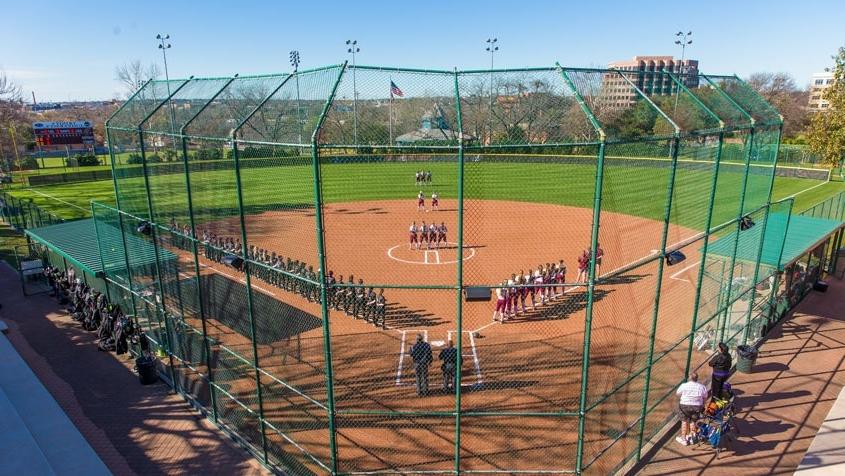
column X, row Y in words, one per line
column 134, row 429
column 797, row 378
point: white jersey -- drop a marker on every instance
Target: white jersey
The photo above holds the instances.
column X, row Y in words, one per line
column 434, row 196
column 413, row 229
column 421, row 196
column 432, row 229
column 499, row 294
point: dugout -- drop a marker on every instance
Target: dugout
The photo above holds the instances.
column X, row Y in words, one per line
column 798, row 250
column 95, row 250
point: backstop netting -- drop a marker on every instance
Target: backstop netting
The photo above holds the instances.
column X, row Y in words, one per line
column 317, row 232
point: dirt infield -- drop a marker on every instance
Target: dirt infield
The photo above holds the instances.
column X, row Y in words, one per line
column 531, row 364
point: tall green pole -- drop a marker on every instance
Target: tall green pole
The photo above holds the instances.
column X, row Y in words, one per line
column 160, row 285
column 459, row 277
column 194, row 249
column 660, row 264
column 704, row 249
column 321, row 258
column 153, row 235
column 762, row 240
column 249, row 299
column 122, row 230
column 100, row 251
column 588, row 318
column 721, row 328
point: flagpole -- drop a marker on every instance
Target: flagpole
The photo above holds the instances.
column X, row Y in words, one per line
column 390, row 113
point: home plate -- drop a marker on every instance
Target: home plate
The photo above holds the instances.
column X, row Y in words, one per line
column 438, row 343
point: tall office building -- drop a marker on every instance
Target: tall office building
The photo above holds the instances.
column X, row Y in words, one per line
column 645, row 73
column 818, row 84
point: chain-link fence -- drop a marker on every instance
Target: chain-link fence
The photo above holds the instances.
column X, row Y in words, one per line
column 323, row 239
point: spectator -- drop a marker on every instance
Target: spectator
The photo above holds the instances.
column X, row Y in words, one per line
column 721, row 363
column 692, row 396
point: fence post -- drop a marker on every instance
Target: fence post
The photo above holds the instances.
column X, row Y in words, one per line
column 159, row 309
column 249, row 303
column 660, row 265
column 212, row 393
column 321, row 259
column 460, row 276
column 762, row 240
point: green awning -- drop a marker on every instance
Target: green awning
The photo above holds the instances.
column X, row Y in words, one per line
column 77, row 242
column 803, row 234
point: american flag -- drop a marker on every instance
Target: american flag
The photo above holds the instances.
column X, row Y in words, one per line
column 395, row 91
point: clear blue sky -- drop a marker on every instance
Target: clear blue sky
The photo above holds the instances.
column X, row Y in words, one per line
column 68, row 50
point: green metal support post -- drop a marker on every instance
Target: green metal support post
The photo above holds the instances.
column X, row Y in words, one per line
column 594, row 237
column 459, row 278
column 663, row 239
column 195, row 252
column 762, row 239
column 153, row 231
column 249, row 299
column 660, row 265
column 162, row 309
column 321, row 259
column 704, row 248
column 100, row 252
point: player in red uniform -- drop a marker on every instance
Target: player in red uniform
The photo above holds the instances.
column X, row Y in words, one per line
column 435, row 202
column 441, row 234
column 420, row 202
column 500, row 303
column 560, row 276
column 432, row 236
column 424, row 234
column 583, row 266
column 412, row 237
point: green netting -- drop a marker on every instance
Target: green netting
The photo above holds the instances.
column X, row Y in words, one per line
column 314, row 180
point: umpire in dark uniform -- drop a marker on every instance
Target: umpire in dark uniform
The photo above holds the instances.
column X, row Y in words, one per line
column 421, row 354
column 448, row 363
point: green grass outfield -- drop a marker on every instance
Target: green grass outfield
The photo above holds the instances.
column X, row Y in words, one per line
column 639, row 191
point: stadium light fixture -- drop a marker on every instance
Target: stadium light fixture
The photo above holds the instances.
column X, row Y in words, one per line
column 352, row 48
column 164, row 45
column 294, row 61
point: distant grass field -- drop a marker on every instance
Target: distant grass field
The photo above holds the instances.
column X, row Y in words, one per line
column 639, row 191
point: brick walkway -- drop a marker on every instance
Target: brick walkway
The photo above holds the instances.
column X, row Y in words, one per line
column 134, row 429
column 798, row 376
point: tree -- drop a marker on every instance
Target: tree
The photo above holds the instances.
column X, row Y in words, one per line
column 780, row 90
column 826, row 134
column 13, row 120
column 134, row 74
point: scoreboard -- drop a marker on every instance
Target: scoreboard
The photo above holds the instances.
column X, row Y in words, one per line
column 63, row 133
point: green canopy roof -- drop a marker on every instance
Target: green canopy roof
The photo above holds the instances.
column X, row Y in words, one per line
column 77, row 242
column 803, row 234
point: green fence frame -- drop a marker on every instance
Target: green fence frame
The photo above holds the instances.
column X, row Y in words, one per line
column 756, row 114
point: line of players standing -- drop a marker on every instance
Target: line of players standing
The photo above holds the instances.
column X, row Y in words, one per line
column 356, row 300
column 545, row 282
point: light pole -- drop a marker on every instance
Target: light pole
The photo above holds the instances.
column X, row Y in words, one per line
column 164, row 45
column 294, row 61
column 682, row 39
column 492, row 48
column 352, row 47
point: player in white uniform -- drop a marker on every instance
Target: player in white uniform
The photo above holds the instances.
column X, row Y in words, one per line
column 500, row 304
column 432, row 236
column 435, row 201
column 413, row 240
column 420, row 202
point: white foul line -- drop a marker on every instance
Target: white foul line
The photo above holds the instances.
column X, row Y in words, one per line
column 675, row 276
column 478, row 378
column 401, row 361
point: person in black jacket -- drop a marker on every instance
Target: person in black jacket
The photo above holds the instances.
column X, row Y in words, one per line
column 449, row 359
column 421, row 355
column 721, row 363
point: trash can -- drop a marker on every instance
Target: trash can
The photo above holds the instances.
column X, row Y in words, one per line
column 746, row 356
column 146, row 367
